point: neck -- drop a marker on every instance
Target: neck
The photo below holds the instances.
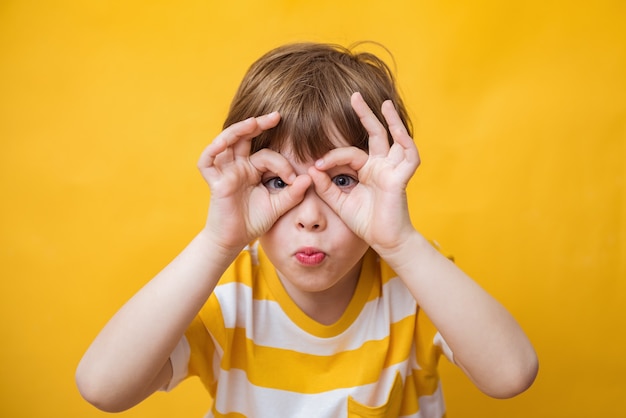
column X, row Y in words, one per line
column 326, row 306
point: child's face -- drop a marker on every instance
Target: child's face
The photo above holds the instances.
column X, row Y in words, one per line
column 310, row 246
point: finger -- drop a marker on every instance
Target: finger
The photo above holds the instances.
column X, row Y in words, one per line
column 224, row 140
column 378, row 143
column 238, row 133
column 352, row 157
column 267, row 160
column 398, row 131
column 291, row 195
column 326, row 189
column 408, row 150
column 242, row 146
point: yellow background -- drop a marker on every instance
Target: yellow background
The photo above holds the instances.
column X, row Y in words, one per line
column 520, row 116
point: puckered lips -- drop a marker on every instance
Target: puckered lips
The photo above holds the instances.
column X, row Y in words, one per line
column 310, row 256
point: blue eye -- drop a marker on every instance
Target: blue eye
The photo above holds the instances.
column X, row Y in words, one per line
column 275, row 183
column 345, row 181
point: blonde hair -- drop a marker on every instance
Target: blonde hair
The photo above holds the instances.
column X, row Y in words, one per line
column 310, row 85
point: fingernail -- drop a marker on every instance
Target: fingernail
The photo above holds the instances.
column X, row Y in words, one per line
column 319, row 163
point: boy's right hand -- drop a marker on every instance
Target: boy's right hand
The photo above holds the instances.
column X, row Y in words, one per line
column 241, row 207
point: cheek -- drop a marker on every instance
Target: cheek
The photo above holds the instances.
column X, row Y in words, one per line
column 339, row 227
column 272, row 237
column 349, row 239
column 360, row 246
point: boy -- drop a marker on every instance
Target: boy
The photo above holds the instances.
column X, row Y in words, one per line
column 309, row 293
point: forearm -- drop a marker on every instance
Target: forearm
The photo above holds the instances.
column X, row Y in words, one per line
column 487, row 342
column 130, row 354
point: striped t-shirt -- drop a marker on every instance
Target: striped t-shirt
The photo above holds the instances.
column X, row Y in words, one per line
column 259, row 355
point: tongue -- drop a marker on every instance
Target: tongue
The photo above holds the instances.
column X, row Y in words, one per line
column 310, row 258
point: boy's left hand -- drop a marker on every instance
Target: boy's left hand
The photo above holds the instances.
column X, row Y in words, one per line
column 376, row 209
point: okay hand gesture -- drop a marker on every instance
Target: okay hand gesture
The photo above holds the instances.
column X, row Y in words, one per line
column 241, row 207
column 376, row 208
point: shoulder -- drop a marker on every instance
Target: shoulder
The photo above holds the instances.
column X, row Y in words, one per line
column 243, row 268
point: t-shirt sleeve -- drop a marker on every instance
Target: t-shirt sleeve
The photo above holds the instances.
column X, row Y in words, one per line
column 200, row 350
column 443, row 346
column 193, row 356
column 179, row 360
column 430, row 343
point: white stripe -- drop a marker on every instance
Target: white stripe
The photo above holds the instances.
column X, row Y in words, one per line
column 431, row 406
column 180, row 360
column 255, row 401
column 371, row 325
column 377, row 393
column 445, row 348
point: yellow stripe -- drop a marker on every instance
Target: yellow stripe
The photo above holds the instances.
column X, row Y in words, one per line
column 306, row 373
column 386, row 274
column 240, row 270
column 213, row 320
column 420, row 383
column 202, row 351
column 391, row 407
column 216, row 414
column 427, row 353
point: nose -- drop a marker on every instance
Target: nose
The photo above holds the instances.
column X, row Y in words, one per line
column 310, row 213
